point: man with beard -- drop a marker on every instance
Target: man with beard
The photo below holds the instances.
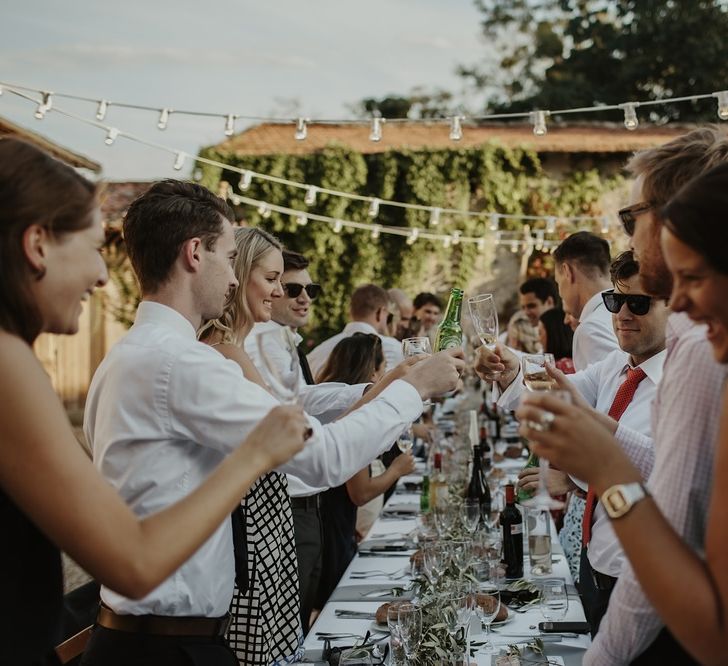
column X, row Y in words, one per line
column 685, row 412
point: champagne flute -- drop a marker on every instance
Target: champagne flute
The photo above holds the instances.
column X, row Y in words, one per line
column 535, row 376
column 406, row 440
column 410, row 629
column 485, row 321
column 396, row 649
column 470, row 514
column 497, row 504
column 488, row 605
column 419, row 346
column 542, row 498
column 280, row 364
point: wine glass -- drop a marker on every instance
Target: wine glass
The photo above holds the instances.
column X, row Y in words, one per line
column 280, row 364
column 554, row 599
column 542, row 498
column 396, row 649
column 456, row 612
column 487, row 607
column 420, row 346
column 470, row 514
column 497, row 504
column 406, row 440
column 410, row 628
column 535, row 376
column 444, row 519
column 485, row 321
column 356, row 656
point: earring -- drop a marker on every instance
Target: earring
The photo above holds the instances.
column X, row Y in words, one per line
column 40, row 272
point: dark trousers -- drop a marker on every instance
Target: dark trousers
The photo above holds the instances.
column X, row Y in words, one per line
column 109, row 647
column 309, row 551
column 663, row 651
column 595, row 598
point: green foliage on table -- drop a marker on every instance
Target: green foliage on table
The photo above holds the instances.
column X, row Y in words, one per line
column 491, row 178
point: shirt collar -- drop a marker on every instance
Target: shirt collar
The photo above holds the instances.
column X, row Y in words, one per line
column 652, row 366
column 591, row 305
column 157, row 314
column 265, row 326
column 359, row 327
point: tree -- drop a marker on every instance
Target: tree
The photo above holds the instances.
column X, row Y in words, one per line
column 554, row 54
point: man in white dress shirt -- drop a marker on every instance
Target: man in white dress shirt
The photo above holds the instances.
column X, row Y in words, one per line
column 163, row 409
column 641, row 337
column 369, row 310
column 582, row 273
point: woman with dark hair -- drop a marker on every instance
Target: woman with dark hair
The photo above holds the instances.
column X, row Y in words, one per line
column 355, row 360
column 688, row 589
column 556, row 338
column 51, row 497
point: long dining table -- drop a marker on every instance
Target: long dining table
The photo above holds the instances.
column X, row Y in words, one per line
column 357, row 591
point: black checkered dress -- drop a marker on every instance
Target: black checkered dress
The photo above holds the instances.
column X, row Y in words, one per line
column 266, row 625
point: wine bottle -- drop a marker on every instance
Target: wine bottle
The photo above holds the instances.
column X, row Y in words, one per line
column 449, row 331
column 531, row 462
column 512, row 523
column 478, row 487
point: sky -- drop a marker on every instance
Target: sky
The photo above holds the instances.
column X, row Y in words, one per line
column 249, row 58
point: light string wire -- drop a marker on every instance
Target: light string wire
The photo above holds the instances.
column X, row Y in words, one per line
column 180, row 156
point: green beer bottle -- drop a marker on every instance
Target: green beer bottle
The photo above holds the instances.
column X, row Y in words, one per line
column 527, row 494
column 425, row 494
column 449, row 332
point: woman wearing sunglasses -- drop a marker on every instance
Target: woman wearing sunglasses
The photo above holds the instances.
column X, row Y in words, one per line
column 689, row 591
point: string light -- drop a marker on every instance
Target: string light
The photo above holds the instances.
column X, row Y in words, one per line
column 44, row 105
column 538, row 118
column 412, row 238
column 338, row 226
column 494, row 221
column 245, row 180
column 111, row 136
column 310, row 198
column 456, row 237
column 301, row 220
column 179, row 161
column 163, row 118
column 101, row 109
column 373, row 208
column 550, row 224
column 301, row 129
column 447, row 241
column 481, row 245
column 456, row 128
column 514, row 247
column 375, row 134
column 497, row 239
column 376, row 231
column 630, row 115
column 229, row 125
column 722, row 98
column 605, row 225
column 435, row 217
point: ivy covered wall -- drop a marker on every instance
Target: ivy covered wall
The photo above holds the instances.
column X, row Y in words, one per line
column 491, row 177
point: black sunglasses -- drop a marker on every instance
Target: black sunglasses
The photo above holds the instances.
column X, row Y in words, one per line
column 638, row 304
column 628, row 215
column 294, row 289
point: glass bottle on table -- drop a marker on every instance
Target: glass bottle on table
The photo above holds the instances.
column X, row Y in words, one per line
column 512, row 524
column 523, row 494
column 478, row 486
column 439, row 491
column 425, row 494
column 449, row 331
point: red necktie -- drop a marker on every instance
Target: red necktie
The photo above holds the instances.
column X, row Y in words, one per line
column 624, row 396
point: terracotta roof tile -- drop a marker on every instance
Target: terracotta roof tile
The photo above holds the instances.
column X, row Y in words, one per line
column 270, row 138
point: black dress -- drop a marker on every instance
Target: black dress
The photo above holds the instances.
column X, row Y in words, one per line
column 338, row 519
column 32, row 590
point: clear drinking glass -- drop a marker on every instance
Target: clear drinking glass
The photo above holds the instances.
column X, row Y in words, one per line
column 485, row 321
column 356, row 656
column 416, row 347
column 406, row 440
column 396, row 648
column 554, row 599
column 538, row 522
column 535, row 376
column 410, row 629
column 280, row 365
column 497, row 504
column 487, row 607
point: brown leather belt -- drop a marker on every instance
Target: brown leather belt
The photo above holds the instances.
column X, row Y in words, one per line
column 163, row 625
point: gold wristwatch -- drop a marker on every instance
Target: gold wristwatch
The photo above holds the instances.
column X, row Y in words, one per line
column 619, row 500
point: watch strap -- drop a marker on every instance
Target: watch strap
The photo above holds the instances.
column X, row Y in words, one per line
column 619, row 499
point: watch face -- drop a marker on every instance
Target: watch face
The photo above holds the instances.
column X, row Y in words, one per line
column 617, row 501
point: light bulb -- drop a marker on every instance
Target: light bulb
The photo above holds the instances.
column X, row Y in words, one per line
column 310, row 198
column 264, row 210
column 412, row 238
column 456, row 128
column 446, row 241
column 375, row 133
column 456, row 237
column 338, row 226
column 494, row 221
column 301, row 129
column 630, row 115
column 179, row 161
column 230, row 125
column 550, row 225
column 605, row 225
column 373, row 208
column 163, row 118
column 245, row 179
column 722, row 97
column 497, row 240
column 435, row 217
column 514, row 247
column 538, row 118
column 111, row 136
column 481, row 244
column 101, row 109
column 301, row 220
column 376, row 230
